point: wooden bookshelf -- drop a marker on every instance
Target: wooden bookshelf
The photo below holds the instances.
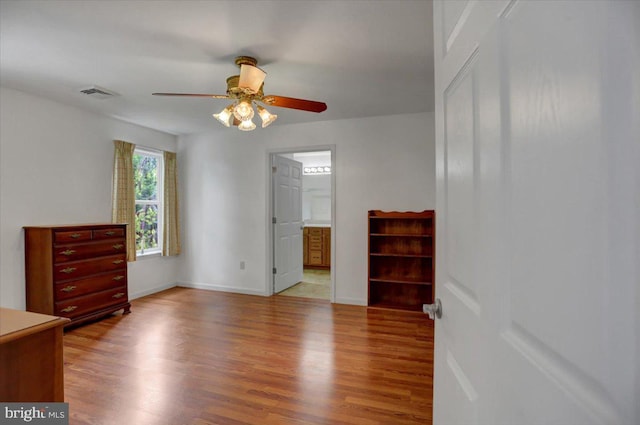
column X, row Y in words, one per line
column 401, row 259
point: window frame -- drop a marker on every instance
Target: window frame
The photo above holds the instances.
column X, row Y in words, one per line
column 159, row 156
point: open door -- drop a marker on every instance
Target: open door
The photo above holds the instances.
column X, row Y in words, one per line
column 537, row 152
column 287, row 230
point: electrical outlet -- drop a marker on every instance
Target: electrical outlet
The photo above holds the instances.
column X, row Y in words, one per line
column 241, row 265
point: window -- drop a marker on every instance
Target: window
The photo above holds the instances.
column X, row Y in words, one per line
column 147, row 176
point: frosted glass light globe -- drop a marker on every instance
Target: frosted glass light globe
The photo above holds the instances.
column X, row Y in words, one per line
column 243, row 111
column 247, row 125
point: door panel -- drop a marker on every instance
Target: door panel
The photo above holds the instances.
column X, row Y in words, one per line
column 537, row 158
column 460, row 139
column 288, row 228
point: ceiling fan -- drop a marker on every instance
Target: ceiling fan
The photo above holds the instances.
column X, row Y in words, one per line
column 247, row 90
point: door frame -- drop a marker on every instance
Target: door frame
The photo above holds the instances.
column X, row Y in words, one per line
column 269, row 236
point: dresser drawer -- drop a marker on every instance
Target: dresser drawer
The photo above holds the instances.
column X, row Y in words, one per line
column 315, row 246
column 80, row 305
column 76, row 288
column 116, row 232
column 315, row 257
column 71, row 236
column 78, row 269
column 315, row 231
column 64, row 253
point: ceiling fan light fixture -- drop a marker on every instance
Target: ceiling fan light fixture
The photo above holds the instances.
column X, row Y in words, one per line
column 245, row 90
column 224, row 115
column 267, row 117
column 246, row 125
column 243, row 110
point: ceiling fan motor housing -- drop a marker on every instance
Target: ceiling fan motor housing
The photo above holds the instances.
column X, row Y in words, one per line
column 246, row 60
column 236, row 92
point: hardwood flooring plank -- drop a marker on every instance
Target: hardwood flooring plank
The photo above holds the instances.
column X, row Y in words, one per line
column 194, row 357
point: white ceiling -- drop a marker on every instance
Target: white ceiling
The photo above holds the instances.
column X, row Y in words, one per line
column 362, row 58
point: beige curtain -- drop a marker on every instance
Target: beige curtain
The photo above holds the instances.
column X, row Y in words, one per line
column 171, row 228
column 123, row 202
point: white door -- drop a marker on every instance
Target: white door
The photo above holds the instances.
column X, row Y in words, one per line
column 538, row 203
column 287, row 193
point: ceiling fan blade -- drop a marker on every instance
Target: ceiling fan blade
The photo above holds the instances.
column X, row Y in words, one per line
column 236, row 122
column 215, row 96
column 292, row 103
column 251, row 77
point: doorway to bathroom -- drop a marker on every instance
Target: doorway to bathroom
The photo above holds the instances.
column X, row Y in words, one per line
column 302, row 236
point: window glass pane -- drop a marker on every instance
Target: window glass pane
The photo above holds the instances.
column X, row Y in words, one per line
column 146, row 227
column 145, row 172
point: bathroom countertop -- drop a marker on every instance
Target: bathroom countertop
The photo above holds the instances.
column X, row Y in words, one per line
column 316, row 225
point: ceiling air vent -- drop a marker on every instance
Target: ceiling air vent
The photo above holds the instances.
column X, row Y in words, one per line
column 98, row 92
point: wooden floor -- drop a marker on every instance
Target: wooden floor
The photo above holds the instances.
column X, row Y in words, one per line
column 188, row 356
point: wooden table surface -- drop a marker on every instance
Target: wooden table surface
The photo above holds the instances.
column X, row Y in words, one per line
column 31, row 358
column 15, row 324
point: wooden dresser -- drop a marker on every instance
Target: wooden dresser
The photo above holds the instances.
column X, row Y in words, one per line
column 316, row 247
column 76, row 271
column 31, row 363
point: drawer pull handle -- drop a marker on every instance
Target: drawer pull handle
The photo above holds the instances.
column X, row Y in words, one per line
column 68, row 252
column 109, row 233
column 118, row 295
column 68, row 289
column 75, row 235
column 118, row 261
column 119, row 277
column 69, row 309
column 118, row 246
column 68, row 270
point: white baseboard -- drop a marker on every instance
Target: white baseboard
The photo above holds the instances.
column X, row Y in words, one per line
column 140, row 294
column 221, row 288
column 232, row 289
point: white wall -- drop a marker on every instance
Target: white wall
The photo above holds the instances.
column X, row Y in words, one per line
column 56, row 167
column 381, row 163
